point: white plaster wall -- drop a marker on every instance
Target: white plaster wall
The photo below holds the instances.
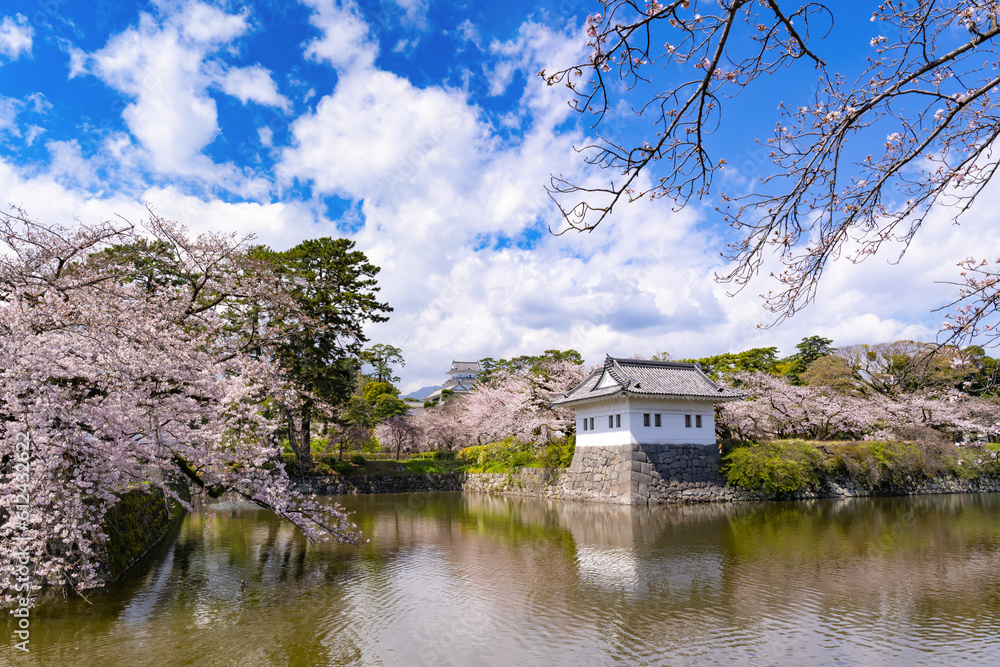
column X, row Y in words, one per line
column 602, row 435
column 671, row 430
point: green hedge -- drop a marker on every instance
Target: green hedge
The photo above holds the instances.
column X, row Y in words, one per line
column 787, row 466
column 781, row 467
column 511, row 453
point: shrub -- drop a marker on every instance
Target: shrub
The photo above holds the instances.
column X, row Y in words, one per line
column 439, row 455
column 558, row 453
column 319, row 445
column 983, row 457
column 779, row 467
column 358, row 459
column 882, row 462
column 497, row 456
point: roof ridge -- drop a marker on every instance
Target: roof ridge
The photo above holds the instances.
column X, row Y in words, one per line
column 646, row 377
column 654, row 362
column 618, row 373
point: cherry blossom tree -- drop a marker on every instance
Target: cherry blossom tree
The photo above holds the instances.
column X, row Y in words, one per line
column 774, row 408
column 514, row 401
column 517, row 403
column 858, row 163
column 441, row 427
column 397, row 434
column 116, row 374
column 892, row 369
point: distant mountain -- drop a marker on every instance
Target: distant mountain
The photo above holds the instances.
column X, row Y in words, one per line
column 423, row 391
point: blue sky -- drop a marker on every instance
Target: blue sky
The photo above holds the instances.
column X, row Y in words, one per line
column 419, row 129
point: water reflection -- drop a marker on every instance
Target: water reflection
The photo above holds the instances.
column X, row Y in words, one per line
column 484, row 580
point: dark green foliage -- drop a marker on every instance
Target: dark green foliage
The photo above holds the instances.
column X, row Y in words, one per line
column 381, row 358
column 335, row 287
column 764, row 359
column 358, row 459
column 809, row 350
column 985, row 380
column 378, row 402
column 153, row 263
column 533, row 363
column 785, row 467
column 439, row 455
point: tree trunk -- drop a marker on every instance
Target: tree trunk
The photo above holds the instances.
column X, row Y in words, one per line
column 305, row 437
column 298, row 436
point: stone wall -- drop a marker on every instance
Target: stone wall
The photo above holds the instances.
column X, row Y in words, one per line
column 639, row 474
column 555, row 483
column 627, row 475
column 135, row 525
column 349, row 485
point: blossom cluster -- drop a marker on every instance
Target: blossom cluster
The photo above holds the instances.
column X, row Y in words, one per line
column 134, row 358
column 776, row 409
column 513, row 403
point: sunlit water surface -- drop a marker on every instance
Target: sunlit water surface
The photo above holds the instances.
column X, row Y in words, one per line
column 482, row 580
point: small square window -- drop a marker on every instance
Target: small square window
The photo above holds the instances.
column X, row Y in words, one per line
column 618, row 421
column 645, row 419
column 697, row 421
column 687, row 421
column 658, row 420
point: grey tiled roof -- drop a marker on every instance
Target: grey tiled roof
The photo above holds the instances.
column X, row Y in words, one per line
column 459, row 366
column 649, row 378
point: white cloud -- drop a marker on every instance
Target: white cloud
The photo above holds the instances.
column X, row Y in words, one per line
column 68, row 166
column 446, row 200
column 404, row 45
column 33, row 132
column 469, row 33
column 415, row 12
column 16, row 36
column 266, row 136
column 253, row 84
column 9, row 108
column 38, row 103
column 166, row 65
column 377, row 130
column 344, row 41
column 204, row 24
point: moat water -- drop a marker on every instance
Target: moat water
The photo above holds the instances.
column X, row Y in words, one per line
column 460, row 579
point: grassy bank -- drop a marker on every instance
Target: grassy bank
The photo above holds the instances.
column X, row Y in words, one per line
column 789, row 466
column 360, row 464
column 504, row 456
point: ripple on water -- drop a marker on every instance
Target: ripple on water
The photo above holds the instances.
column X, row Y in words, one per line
column 446, row 581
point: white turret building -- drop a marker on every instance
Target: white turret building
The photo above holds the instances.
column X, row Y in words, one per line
column 463, row 379
column 630, row 401
column 645, row 432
